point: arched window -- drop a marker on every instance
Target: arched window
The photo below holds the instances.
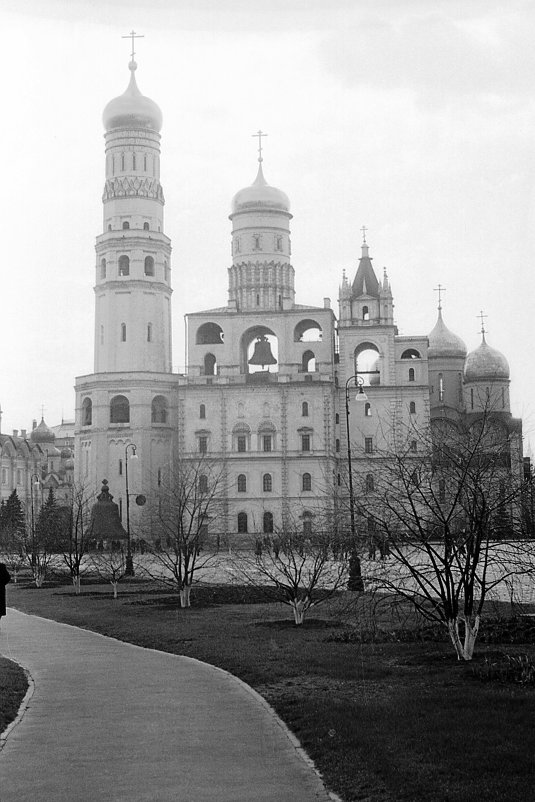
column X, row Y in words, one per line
column 503, row 397
column 411, row 374
column 306, row 483
column 411, row 353
column 257, row 299
column 145, row 163
column 365, row 313
column 267, row 483
column 122, row 161
column 440, row 387
column 307, row 524
column 304, row 409
column 159, row 409
column 412, row 408
column 124, row 266
column 368, row 410
column 370, row 484
column 268, row 523
column 126, row 225
column 337, row 418
column 203, row 483
column 149, row 266
column 242, row 483
column 166, row 272
column 471, row 398
column 123, row 332
column 209, row 365
column 145, row 226
column 337, row 444
column 242, row 523
column 119, row 409
column 102, row 268
column 87, row 412
column 209, row 333
column 308, row 363
column 414, row 445
column 202, row 411
column 149, row 332
column 133, row 161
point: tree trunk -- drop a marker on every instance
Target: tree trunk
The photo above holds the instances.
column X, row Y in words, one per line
column 185, row 596
column 76, row 582
column 464, row 651
column 39, row 577
column 299, row 607
column 114, row 585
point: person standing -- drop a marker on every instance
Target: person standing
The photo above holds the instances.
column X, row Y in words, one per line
column 4, row 579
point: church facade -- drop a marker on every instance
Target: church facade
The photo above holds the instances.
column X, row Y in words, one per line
column 271, row 387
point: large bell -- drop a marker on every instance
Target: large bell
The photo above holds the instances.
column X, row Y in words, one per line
column 262, row 352
column 105, row 518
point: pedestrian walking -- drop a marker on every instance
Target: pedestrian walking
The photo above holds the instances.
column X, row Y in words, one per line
column 4, row 579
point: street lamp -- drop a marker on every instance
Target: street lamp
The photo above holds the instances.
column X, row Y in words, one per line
column 34, row 482
column 356, row 578
column 129, row 568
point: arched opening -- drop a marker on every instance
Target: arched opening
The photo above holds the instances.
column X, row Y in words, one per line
column 242, row 523
column 149, row 266
column 102, row 268
column 119, row 409
column 242, row 483
column 124, row 266
column 166, row 271
column 259, row 351
column 241, row 437
column 307, row 524
column 209, row 334
column 306, row 483
column 203, row 483
column 411, row 353
column 411, row 374
column 145, row 226
column 268, row 523
column 202, row 411
column 159, row 409
column 210, row 364
column 412, row 408
column 149, row 332
column 365, row 313
column 267, row 483
column 123, row 332
column 308, row 362
column 366, row 363
column 308, row 331
column 126, row 225
column 304, row 409
column 87, row 412
column 441, row 389
column 370, row 484
column 368, row 410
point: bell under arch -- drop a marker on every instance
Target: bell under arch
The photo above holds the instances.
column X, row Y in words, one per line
column 259, row 350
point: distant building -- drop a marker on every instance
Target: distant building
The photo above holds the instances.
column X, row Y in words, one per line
column 264, row 390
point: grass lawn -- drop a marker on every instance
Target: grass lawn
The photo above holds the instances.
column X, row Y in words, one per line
column 13, row 686
column 382, row 721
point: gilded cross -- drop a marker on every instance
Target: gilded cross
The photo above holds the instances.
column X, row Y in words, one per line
column 364, row 229
column 133, row 35
column 440, row 289
column 259, row 134
column 482, row 317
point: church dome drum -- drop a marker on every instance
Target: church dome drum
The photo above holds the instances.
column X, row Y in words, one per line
column 485, row 363
column 132, row 109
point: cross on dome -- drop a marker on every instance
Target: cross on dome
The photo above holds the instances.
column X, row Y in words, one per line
column 259, row 134
column 482, row 317
column 133, row 35
column 440, row 289
column 364, row 229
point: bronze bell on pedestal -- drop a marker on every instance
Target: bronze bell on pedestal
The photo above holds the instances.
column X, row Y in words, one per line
column 262, row 352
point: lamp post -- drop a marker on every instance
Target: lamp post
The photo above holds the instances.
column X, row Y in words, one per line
column 34, row 482
column 129, row 568
column 355, row 578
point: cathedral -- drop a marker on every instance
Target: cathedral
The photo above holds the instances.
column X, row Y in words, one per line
column 275, row 392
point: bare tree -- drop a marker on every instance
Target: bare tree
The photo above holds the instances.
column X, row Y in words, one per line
column 445, row 505
column 76, row 532
column 188, row 507
column 300, row 566
column 110, row 566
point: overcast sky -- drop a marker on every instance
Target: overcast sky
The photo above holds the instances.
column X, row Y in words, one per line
column 415, row 118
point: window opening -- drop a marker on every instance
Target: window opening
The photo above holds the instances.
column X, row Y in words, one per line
column 268, row 523
column 124, row 266
column 242, row 483
column 306, row 482
column 411, row 374
column 123, row 332
column 368, row 445
column 202, row 411
column 266, row 442
column 267, row 483
column 242, row 523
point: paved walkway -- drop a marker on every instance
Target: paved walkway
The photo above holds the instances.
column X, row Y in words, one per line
column 111, row 721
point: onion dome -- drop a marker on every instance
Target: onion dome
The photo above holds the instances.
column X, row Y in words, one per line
column 443, row 342
column 260, row 195
column 42, row 434
column 485, row 363
column 66, row 452
column 132, row 109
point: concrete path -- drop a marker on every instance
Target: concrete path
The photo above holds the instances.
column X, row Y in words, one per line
column 111, row 721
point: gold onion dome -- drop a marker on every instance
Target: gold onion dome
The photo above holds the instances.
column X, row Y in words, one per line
column 443, row 342
column 42, row 434
column 485, row 363
column 132, row 109
column 260, row 195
